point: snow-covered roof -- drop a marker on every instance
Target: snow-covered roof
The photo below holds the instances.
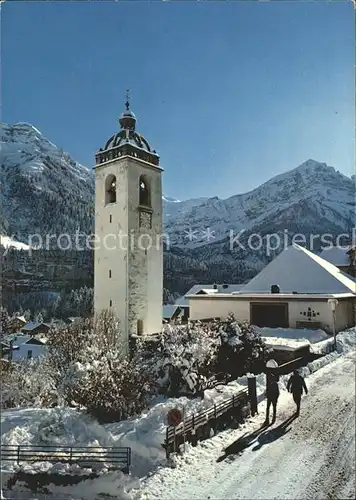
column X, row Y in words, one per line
column 34, row 341
column 273, row 296
column 296, row 269
column 337, row 255
column 182, row 302
column 20, row 318
column 20, row 339
column 33, row 325
column 169, row 310
column 296, row 335
column 209, row 289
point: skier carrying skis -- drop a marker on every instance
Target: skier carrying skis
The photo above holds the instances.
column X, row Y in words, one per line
column 295, row 385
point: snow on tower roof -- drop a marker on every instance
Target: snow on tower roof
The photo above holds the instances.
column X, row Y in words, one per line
column 336, row 255
column 296, row 269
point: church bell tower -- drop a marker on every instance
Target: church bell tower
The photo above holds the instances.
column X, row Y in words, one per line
column 128, row 266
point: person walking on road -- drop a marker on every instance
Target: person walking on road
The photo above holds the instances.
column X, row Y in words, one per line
column 272, row 394
column 296, row 385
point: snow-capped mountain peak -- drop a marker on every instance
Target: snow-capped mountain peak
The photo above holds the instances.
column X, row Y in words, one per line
column 311, row 196
column 37, row 178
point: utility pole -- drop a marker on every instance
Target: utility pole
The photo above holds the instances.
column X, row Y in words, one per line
column 333, row 304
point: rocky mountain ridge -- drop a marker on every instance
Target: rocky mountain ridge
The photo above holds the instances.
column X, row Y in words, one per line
column 45, row 191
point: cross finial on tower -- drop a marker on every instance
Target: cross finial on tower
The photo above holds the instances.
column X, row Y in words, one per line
column 127, row 103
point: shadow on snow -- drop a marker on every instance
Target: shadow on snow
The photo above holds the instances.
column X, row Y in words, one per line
column 260, row 437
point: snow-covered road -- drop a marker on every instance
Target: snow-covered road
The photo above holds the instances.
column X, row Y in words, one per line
column 312, row 456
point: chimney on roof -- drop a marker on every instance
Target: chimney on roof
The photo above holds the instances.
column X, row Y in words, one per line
column 275, row 289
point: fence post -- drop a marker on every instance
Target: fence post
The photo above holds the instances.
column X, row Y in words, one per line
column 167, row 443
column 184, row 428
column 194, row 435
column 174, row 442
column 18, row 455
column 215, row 419
column 252, row 394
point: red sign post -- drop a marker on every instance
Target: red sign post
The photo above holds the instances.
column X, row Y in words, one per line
column 174, row 417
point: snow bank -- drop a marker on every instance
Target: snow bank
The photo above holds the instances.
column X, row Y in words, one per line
column 115, row 485
column 55, row 426
column 145, row 434
column 292, row 336
column 345, row 342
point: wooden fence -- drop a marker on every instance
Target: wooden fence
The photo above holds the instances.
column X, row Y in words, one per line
column 294, row 364
column 85, row 456
column 196, row 426
column 241, row 405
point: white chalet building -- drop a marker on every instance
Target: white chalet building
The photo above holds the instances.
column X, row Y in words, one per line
column 292, row 291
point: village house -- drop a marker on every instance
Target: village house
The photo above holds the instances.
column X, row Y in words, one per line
column 34, row 328
column 296, row 290
column 23, row 347
column 180, row 308
column 15, row 324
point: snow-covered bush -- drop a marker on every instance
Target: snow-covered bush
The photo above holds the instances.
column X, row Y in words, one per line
column 28, row 383
column 181, row 359
column 242, row 349
column 185, row 358
column 91, row 370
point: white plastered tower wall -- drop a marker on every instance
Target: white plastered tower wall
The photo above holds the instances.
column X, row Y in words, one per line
column 145, row 289
column 128, row 265
column 110, row 219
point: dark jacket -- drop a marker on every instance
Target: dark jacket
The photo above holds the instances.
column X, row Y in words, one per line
column 296, row 385
column 272, row 388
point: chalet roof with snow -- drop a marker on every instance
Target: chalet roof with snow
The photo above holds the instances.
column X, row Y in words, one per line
column 32, row 325
column 296, row 269
column 337, row 255
column 19, row 339
column 21, row 319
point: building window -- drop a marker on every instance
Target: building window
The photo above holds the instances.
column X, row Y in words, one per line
column 110, row 303
column 145, row 192
column 109, row 273
column 29, row 354
column 110, row 189
column 139, row 327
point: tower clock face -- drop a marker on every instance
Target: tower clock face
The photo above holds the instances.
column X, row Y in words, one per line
column 145, row 219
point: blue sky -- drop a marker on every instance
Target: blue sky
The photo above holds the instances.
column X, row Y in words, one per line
column 228, row 93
